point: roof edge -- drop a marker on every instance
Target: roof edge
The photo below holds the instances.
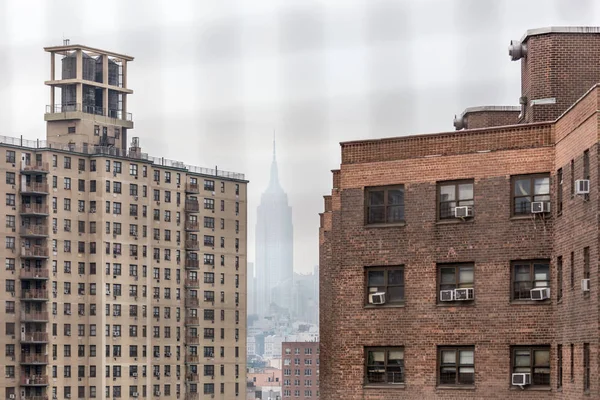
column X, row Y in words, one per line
column 70, row 47
column 490, row 108
column 560, row 29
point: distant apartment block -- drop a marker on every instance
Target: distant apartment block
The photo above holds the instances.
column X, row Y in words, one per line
column 300, row 370
column 464, row 264
column 124, row 273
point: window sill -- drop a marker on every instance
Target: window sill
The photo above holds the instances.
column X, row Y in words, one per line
column 528, row 216
column 531, row 302
column 392, row 386
column 455, row 387
column 533, row 388
column 461, row 304
column 372, row 306
column 392, row 225
column 455, row 221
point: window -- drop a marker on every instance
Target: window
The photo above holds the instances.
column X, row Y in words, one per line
column 586, row 263
column 10, row 156
column 454, row 194
column 209, row 204
column 559, row 361
column 534, row 361
column 559, row 191
column 586, row 367
column 389, row 280
column 209, row 185
column 384, row 365
column 455, row 276
column 529, row 188
column 572, row 270
column 385, row 205
column 67, row 162
column 559, row 277
column 528, row 275
column 10, row 178
column 456, row 366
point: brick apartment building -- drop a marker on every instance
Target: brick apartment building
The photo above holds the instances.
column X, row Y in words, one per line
column 300, row 370
column 124, row 274
column 464, row 265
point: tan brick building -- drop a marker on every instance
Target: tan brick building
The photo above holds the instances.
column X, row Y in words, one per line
column 464, row 265
column 300, row 370
column 124, row 274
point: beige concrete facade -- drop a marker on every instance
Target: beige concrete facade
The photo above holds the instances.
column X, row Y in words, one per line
column 125, row 275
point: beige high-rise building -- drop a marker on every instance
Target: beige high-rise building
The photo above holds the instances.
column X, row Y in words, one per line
column 125, row 274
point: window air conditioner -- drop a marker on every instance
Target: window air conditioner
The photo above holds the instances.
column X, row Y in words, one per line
column 377, row 298
column 134, row 394
column 107, row 291
column 446, row 295
column 582, row 186
column 134, row 374
column 585, row 285
column 463, row 212
column 538, row 207
column 521, row 379
column 464, row 294
column 540, row 293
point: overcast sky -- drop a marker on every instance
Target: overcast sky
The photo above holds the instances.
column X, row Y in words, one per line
column 212, row 80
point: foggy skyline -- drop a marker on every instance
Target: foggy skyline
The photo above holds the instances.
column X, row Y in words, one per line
column 228, row 73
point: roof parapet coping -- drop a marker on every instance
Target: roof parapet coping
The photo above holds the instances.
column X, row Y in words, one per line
column 469, row 110
column 560, row 29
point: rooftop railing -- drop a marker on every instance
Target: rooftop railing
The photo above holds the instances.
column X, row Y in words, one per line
column 115, row 152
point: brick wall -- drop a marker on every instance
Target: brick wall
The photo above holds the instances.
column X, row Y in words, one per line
column 491, row 241
column 486, row 119
column 559, row 65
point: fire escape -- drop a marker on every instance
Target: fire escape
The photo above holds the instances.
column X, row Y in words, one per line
column 34, row 276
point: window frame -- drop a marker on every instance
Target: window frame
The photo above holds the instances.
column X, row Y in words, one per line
column 532, row 278
column 385, row 189
column 386, row 350
column 457, row 365
column 456, row 184
column 532, row 348
column 385, row 269
column 532, row 178
column 457, row 267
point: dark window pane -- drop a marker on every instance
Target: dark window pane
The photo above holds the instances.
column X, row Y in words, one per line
column 448, row 375
column 376, row 278
column 523, row 187
column 376, row 198
column 376, row 214
column 395, row 293
column 395, row 213
column 523, row 205
column 395, row 277
column 395, row 197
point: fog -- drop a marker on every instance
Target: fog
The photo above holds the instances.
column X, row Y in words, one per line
column 213, row 80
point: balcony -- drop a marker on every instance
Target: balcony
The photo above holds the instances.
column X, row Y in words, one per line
column 192, row 358
column 34, row 209
column 34, row 294
column 192, row 264
column 192, row 245
column 34, row 380
column 192, row 206
column 34, row 252
column 35, row 168
column 34, row 316
column 192, row 396
column 34, row 231
column 192, row 302
column 34, row 358
column 34, row 397
column 34, row 273
column 34, row 337
column 191, row 378
column 192, row 283
column 192, row 321
column 192, row 339
column 56, row 112
column 192, row 188
column 35, row 188
column 192, row 226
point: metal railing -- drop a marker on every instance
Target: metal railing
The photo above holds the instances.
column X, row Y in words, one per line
column 34, row 187
column 192, row 226
column 88, row 109
column 192, row 245
column 192, row 264
column 35, row 251
column 34, row 294
column 34, row 230
column 35, row 167
column 192, row 302
column 34, row 337
column 192, row 321
column 192, row 283
column 34, row 380
column 192, row 206
column 33, row 273
column 34, row 359
column 112, row 151
column 192, row 339
column 34, row 316
column 34, row 209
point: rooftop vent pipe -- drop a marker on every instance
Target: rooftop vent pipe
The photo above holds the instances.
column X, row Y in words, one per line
column 517, row 50
column 459, row 122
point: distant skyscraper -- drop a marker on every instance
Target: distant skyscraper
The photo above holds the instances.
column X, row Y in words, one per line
column 274, row 247
column 251, row 289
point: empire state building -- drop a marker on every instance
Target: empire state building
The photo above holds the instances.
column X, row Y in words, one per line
column 274, row 248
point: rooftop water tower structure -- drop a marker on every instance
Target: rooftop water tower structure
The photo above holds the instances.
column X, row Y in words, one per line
column 88, row 102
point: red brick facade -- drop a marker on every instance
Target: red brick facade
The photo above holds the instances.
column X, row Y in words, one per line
column 493, row 323
column 300, row 370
